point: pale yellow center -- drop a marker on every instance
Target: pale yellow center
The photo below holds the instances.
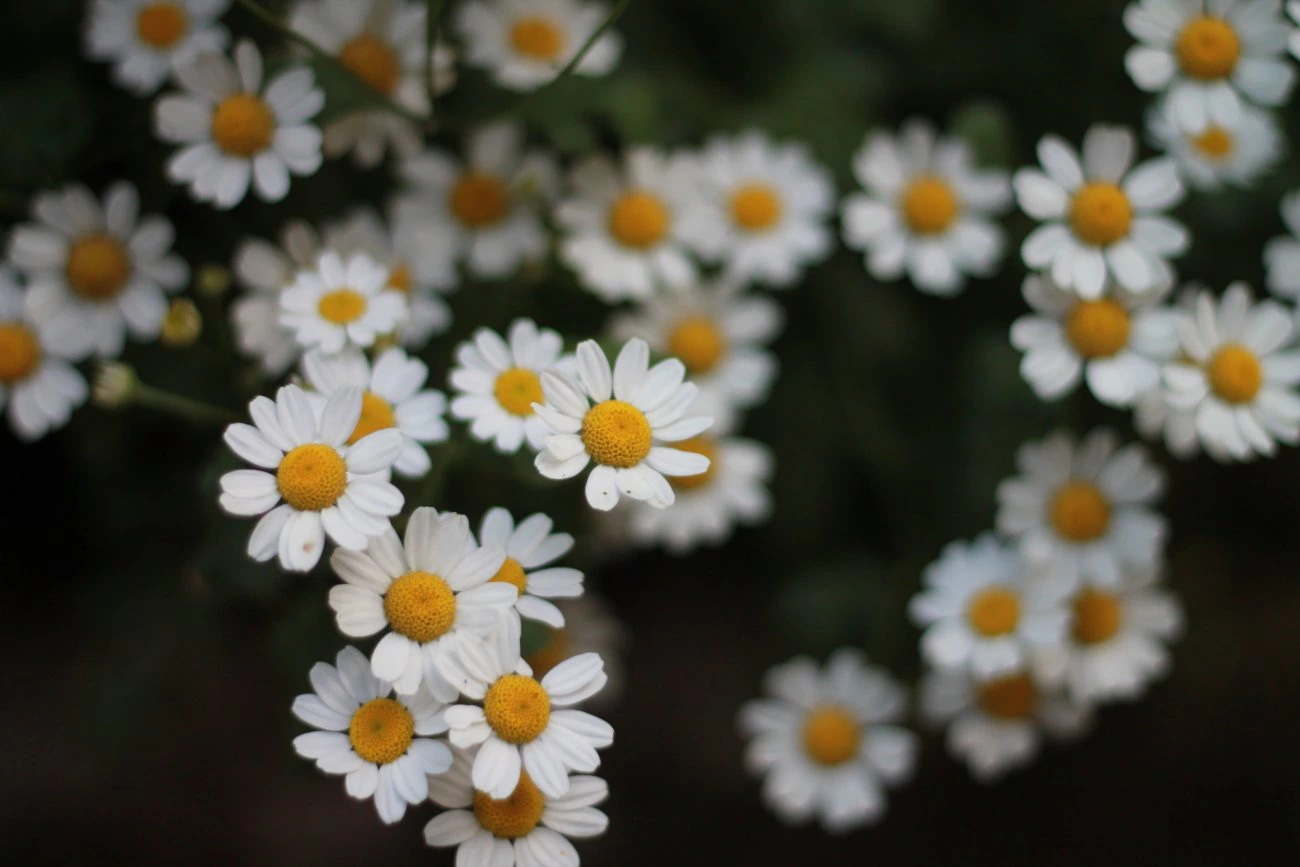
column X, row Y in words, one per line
column 700, row 446
column 755, row 207
column 312, row 477
column 511, row 573
column 1080, row 512
column 20, row 352
column 372, row 60
column 638, row 219
column 399, row 279
column 161, row 25
column 1235, row 374
column 98, row 267
column 479, row 200
column 517, row 389
column 381, row 731
column 929, row 205
column 517, row 708
column 831, row 735
column 420, row 605
column 616, row 434
column 994, row 611
column 243, row 125
column 1207, row 48
column 1097, row 616
column 342, row 306
column 1009, row 698
column 1100, row 214
column 1097, row 329
column 512, row 817
column 1215, row 143
column 537, row 38
column 698, row 342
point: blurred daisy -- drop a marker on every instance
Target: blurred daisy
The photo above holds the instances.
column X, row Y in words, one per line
column 530, row 546
column 980, row 612
column 1100, row 218
column 525, row 43
column 1084, row 511
column 1116, row 342
column 383, row 744
column 828, row 740
column 392, row 396
column 1219, row 155
column 589, row 627
column 1293, row 10
column 303, row 462
column 720, row 333
column 636, row 408
column 146, row 40
column 927, row 210
column 341, row 302
column 103, row 266
column 1282, row 254
column 1209, row 56
column 37, row 383
column 263, row 270
column 497, row 383
column 235, row 131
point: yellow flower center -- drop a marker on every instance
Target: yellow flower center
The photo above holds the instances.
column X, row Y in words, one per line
column 98, row 267
column 420, row 606
column 1080, row 512
column 1208, row 48
column 638, row 220
column 994, row 611
column 511, row 573
column 243, row 125
column 698, row 342
column 161, row 24
column 20, row 352
column 929, row 205
column 700, row 446
column 182, row 324
column 1011, row 697
column 479, row 200
column 381, row 731
column 312, row 477
column 373, row 61
column 399, row 279
column 517, row 389
column 1096, row 616
column 1100, row 214
column 1215, row 143
column 552, row 654
column 517, row 708
column 342, row 306
column 1235, row 374
column 1097, row 329
column 376, row 414
column 512, row 817
column 616, row 434
column 537, row 38
column 831, row 735
column 755, row 207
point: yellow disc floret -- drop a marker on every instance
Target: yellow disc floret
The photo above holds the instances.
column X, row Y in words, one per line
column 700, row 446
column 479, row 200
column 1207, row 48
column 512, row 817
column 929, row 205
column 1235, row 374
column 20, row 352
column 1097, row 616
column 517, row 389
column 161, row 25
column 399, row 278
column 312, row 477
column 1011, row 697
column 420, row 605
column 98, row 267
column 698, row 342
column 756, row 207
column 372, row 60
column 994, row 611
column 376, row 414
column 342, row 306
column 381, row 731
column 517, row 708
column 1097, row 329
column 1215, row 143
column 537, row 38
column 616, row 434
column 831, row 735
column 511, row 573
column 1080, row 512
column 638, row 219
column 1100, row 214
column 243, row 125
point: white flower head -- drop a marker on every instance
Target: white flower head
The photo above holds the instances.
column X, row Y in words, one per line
column 1220, row 156
column 341, row 302
column 529, row 547
column 39, row 388
column 525, row 43
column 262, row 270
column 145, row 39
column 1282, row 254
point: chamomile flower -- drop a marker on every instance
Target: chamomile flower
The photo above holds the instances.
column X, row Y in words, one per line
column 524, row 829
column 1084, row 511
column 525, row 43
column 982, row 612
column 927, row 210
column 526, row 725
column 628, row 229
column 619, row 421
column 38, row 385
column 1282, row 254
column 1210, row 57
column 145, row 40
column 392, row 396
column 341, row 302
column 1293, row 10
column 590, row 626
column 498, row 382
column 1100, row 218
column 1117, row 342
column 720, row 333
column 530, row 546
column 263, row 270
column 383, row 744
column 101, row 265
column 828, row 740
column 1220, row 156
column 235, row 131
column 307, row 484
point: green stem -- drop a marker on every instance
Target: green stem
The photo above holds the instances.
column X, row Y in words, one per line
column 184, row 407
column 432, row 19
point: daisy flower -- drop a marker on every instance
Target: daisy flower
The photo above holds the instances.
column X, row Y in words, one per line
column 433, row 593
column 1117, row 342
column 1293, row 10
column 589, row 627
column 1210, row 56
column 530, row 546
column 720, row 333
column 146, row 40
column 497, row 384
column 981, row 612
column 486, row 211
column 383, row 744
column 1282, row 254
column 524, row 829
column 1084, row 512
column 1100, row 218
column 1220, row 156
column 525, row 43
column 828, row 740
column 36, row 381
column 1237, row 377
column 526, row 725
column 927, row 210
column 627, row 229
column 618, row 421
column 102, row 265
column 392, row 396
column 341, row 302
column 303, row 462
column 997, row 725
column 235, row 131
column 263, row 269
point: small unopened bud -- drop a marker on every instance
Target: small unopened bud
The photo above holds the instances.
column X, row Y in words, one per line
column 115, row 385
column 182, row 324
column 212, row 280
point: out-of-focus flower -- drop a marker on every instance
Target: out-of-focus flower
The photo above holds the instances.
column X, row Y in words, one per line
column 525, row 43
column 114, row 386
column 182, row 324
column 530, row 546
column 39, row 388
column 590, row 626
column 1217, row 156
column 341, row 302
column 1282, row 254
column 264, row 270
column 146, row 40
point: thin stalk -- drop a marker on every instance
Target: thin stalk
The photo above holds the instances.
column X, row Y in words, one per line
column 185, row 407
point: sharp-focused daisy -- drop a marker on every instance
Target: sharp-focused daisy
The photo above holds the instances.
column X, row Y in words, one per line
column 38, row 385
column 102, row 266
column 341, row 302
column 927, row 210
column 263, row 270
column 619, row 421
column 1282, row 254
column 145, row 40
column 1117, row 342
column 486, row 211
column 235, row 131
column 982, row 612
column 308, row 485
column 497, row 383
column 589, row 627
column 995, row 725
column 829, row 740
column 627, row 229
column 1084, row 511
column 1237, row 377
column 383, row 744
column 530, row 546
column 526, row 725
column 1100, row 218
column 1210, row 56
column 720, row 333
column 1208, row 160
column 524, row 829
column 392, row 396
column 525, row 43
